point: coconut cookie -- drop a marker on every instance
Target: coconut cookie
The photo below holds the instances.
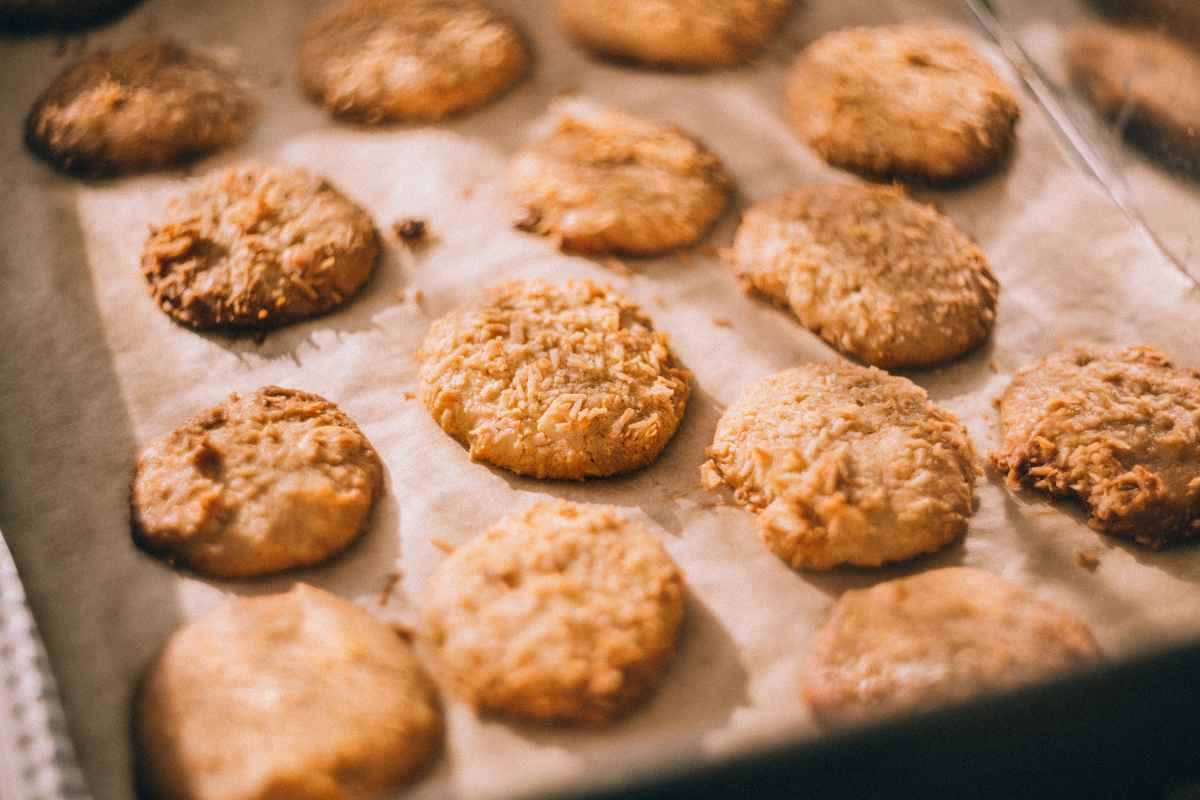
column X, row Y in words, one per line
column 1118, row 429
column 878, row 276
column 262, row 483
column 152, row 104
column 909, row 101
column 562, row 612
column 844, row 465
column 936, row 638
column 37, row 15
column 692, row 34
column 300, row 695
column 602, row 180
column 1147, row 80
column 386, row 60
column 257, row 246
column 554, row 380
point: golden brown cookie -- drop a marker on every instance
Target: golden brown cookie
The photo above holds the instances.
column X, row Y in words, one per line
column 878, row 276
column 259, row 484
column 39, row 15
column 844, row 465
column 1147, row 80
column 1118, row 429
column 602, row 180
column 300, row 695
column 554, row 380
column 936, row 638
column 908, row 101
column 384, row 60
column 257, row 246
column 151, row 104
column 561, row 612
column 692, row 34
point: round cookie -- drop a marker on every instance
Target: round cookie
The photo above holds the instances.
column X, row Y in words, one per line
column 909, row 101
column 257, row 246
column 936, row 638
column 554, row 380
column 152, row 104
column 262, row 483
column 300, row 695
column 39, row 15
column 691, row 34
column 561, row 612
column 602, row 180
column 844, row 465
column 384, row 60
column 1118, row 429
column 878, row 276
column 1145, row 79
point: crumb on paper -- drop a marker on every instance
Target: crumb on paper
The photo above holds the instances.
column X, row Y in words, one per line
column 443, row 545
column 618, row 266
column 467, row 192
column 659, row 301
column 722, row 322
column 409, row 395
column 405, row 632
column 1089, row 559
column 411, row 230
column 527, row 220
column 993, row 366
column 389, row 585
column 414, row 296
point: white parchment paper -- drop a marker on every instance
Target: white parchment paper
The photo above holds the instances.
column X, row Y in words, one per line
column 90, row 369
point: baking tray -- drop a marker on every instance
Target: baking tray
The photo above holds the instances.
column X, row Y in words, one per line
column 1122, row 730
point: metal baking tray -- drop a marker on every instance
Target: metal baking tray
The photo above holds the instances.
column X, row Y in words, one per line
column 1126, row 729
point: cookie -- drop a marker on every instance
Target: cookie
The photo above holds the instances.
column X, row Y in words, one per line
column 1147, row 81
column 563, row 612
column 554, row 380
column 844, row 465
column 39, row 15
column 386, row 60
column 906, row 101
column 261, row 483
column 936, row 638
column 152, row 104
column 1181, row 18
column 690, row 34
column 257, row 246
column 300, row 695
column 1117, row 429
column 878, row 276
column 601, row 180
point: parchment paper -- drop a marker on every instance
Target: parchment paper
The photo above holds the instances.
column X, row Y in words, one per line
column 91, row 370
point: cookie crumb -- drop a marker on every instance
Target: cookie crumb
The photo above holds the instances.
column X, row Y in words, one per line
column 618, row 266
column 405, row 632
column 527, row 220
column 389, row 585
column 443, row 545
column 722, row 322
column 409, row 395
column 1088, row 559
column 993, row 366
column 411, row 230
